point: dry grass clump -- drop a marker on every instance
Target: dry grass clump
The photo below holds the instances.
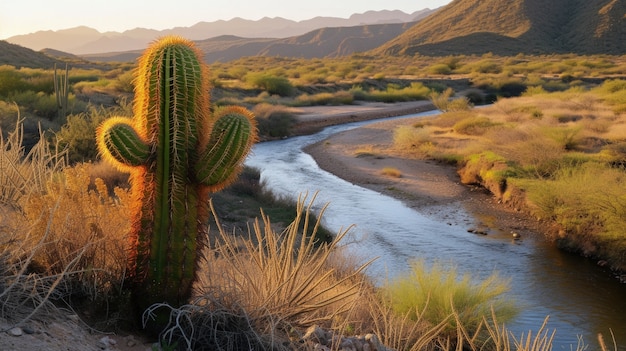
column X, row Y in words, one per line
column 265, row 286
column 412, row 138
column 391, row 172
column 59, row 239
column 366, row 151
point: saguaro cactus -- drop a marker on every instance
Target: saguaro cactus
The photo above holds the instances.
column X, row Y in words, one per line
column 177, row 152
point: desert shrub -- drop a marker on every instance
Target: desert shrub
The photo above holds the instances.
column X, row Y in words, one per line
column 440, row 68
column 449, row 119
column 9, row 114
column 270, row 83
column 411, row 138
column 392, row 172
column 44, row 105
column 535, row 155
column 10, row 80
column 534, row 90
column 484, row 66
column 80, row 228
column 39, row 103
column 477, row 125
column 24, row 174
column 416, row 91
column 59, row 240
column 566, row 137
column 441, row 100
column 588, row 202
column 338, row 98
column 274, row 121
column 437, row 294
column 125, row 82
column 78, row 135
column 475, row 97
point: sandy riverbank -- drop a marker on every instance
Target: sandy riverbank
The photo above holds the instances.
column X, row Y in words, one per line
column 433, row 188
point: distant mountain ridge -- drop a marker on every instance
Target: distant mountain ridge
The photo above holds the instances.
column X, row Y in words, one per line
column 85, row 40
column 319, row 43
column 507, row 27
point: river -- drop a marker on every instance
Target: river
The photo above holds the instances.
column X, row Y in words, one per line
column 581, row 298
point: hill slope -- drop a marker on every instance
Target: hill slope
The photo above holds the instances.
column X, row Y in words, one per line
column 320, row 43
column 18, row 56
column 507, row 27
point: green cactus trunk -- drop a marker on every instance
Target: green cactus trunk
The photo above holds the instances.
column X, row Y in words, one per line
column 177, row 153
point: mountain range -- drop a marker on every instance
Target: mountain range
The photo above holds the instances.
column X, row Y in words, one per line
column 463, row 27
column 85, row 40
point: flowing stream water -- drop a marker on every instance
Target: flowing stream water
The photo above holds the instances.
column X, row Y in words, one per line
column 580, row 298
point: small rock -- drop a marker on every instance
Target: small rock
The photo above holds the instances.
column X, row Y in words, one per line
column 105, row 342
column 73, row 317
column 317, row 334
column 16, row 331
column 28, row 330
column 130, row 341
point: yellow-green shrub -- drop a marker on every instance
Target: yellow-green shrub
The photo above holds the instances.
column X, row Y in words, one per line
column 436, row 294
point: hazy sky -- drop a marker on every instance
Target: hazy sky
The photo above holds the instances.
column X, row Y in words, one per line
column 28, row 16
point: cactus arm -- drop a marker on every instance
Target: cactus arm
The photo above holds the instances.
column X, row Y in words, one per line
column 232, row 137
column 120, row 144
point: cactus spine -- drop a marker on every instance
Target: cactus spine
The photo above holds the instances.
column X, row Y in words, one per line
column 177, row 152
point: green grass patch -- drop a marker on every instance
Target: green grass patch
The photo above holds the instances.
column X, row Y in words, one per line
column 439, row 293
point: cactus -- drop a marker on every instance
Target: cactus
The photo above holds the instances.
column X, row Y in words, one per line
column 177, row 152
column 61, row 91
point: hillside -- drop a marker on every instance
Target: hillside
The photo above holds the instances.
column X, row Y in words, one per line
column 506, row 27
column 18, row 56
column 320, row 43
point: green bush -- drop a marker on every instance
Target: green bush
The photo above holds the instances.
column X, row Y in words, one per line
column 438, row 294
column 78, row 135
column 474, row 125
column 10, row 80
column 270, row 83
column 440, row 68
column 415, row 91
column 273, row 121
column 338, row 98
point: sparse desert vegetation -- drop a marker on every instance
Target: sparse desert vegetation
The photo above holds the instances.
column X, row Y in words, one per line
column 556, row 154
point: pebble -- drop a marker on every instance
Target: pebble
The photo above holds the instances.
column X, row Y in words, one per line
column 105, row 342
column 16, row 331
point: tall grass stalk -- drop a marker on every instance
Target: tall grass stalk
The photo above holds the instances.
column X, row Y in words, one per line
column 25, row 173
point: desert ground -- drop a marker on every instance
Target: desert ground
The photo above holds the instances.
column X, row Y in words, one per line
column 432, row 188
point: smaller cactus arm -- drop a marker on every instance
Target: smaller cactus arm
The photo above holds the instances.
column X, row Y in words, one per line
column 232, row 136
column 119, row 143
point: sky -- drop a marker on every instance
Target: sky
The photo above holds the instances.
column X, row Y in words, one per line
column 29, row 16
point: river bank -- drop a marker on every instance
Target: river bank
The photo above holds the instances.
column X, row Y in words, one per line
column 360, row 155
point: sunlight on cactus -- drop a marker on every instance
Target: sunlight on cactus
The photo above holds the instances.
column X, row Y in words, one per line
column 176, row 152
